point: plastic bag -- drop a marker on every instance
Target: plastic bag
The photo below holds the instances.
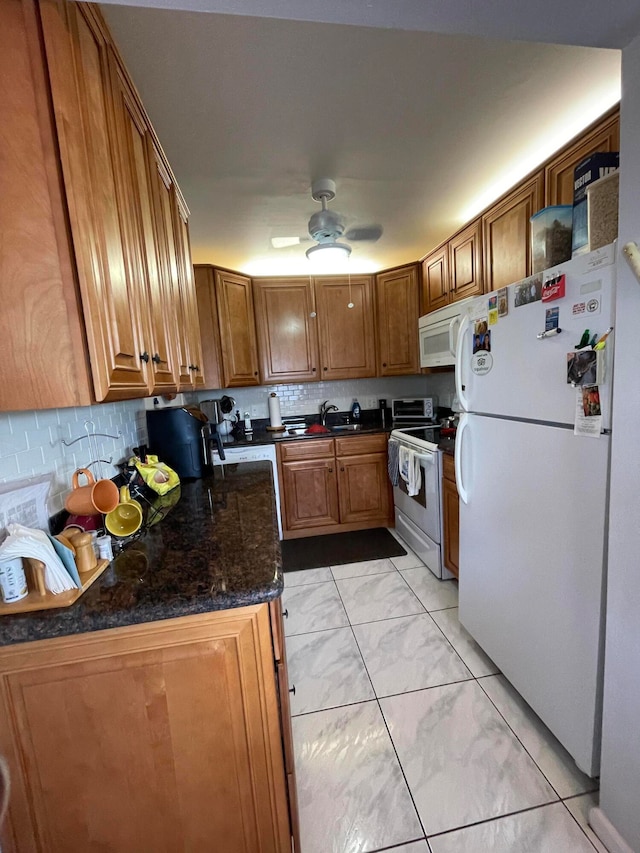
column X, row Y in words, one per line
column 25, row 542
column 156, row 475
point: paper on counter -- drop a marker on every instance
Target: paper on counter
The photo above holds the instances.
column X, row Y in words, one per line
column 27, row 542
column 24, row 503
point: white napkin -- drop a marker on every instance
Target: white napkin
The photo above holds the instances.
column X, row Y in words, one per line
column 27, row 542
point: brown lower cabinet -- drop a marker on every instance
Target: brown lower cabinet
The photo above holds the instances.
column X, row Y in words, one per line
column 167, row 736
column 334, row 485
column 451, row 515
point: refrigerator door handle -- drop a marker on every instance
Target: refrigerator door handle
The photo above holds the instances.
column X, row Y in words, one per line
column 462, row 491
column 462, row 399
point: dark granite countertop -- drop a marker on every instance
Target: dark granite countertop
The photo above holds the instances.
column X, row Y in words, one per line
column 216, row 549
column 261, row 435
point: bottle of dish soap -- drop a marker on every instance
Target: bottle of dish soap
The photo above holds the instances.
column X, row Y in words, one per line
column 355, row 410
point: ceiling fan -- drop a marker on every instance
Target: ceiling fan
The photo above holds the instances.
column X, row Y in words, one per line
column 326, row 226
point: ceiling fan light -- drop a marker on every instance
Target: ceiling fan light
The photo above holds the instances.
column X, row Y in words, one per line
column 329, row 253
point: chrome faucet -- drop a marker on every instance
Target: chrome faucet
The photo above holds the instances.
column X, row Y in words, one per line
column 323, row 411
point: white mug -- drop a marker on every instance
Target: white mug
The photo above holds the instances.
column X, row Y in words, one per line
column 13, row 581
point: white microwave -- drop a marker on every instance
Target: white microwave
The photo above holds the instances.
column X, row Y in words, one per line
column 438, row 335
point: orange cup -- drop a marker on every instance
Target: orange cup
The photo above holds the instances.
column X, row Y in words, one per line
column 93, row 498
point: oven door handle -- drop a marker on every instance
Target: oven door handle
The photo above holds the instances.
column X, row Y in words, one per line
column 462, row 489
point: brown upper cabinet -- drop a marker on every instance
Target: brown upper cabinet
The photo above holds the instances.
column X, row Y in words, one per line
column 397, row 311
column 435, row 280
column 209, row 326
column 558, row 172
column 505, row 227
column 91, row 314
column 287, row 329
column 237, row 329
column 465, row 262
column 454, row 270
column 347, row 335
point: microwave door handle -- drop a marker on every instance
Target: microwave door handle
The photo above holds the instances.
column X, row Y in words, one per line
column 452, row 344
column 464, row 402
column 460, row 482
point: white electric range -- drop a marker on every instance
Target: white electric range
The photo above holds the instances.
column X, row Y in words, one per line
column 419, row 517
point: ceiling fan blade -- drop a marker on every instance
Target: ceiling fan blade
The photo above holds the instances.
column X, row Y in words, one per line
column 287, row 242
column 364, row 232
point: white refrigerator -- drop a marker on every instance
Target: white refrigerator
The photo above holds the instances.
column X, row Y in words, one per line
column 534, row 495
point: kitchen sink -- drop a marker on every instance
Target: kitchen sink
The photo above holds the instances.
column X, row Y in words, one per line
column 346, row 427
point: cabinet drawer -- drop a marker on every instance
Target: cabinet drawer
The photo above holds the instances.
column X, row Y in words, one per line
column 448, row 467
column 307, row 449
column 359, row 444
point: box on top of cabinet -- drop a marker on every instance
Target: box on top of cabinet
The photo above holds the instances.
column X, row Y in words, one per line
column 586, row 172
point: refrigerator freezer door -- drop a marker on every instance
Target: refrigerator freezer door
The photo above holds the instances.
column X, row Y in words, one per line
column 524, row 377
column 531, row 568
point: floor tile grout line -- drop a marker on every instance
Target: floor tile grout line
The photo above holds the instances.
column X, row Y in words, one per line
column 396, row 846
column 393, row 746
column 496, row 818
column 577, row 821
column 516, row 735
column 487, row 675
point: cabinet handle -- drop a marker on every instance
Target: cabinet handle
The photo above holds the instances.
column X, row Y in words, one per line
column 384, row 363
column 342, row 469
column 325, row 368
column 157, row 360
column 285, row 613
column 331, row 470
column 194, row 367
column 255, row 372
column 144, row 356
column 314, row 370
column 293, row 690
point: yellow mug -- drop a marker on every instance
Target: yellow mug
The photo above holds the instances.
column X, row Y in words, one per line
column 126, row 518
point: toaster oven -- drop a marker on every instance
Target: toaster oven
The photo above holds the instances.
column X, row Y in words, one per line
column 417, row 409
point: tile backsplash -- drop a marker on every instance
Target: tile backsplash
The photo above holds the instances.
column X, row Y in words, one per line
column 305, row 398
column 31, row 443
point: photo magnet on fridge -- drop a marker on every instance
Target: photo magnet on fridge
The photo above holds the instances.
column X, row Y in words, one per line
column 481, row 336
column 582, row 367
column 529, row 290
column 503, row 302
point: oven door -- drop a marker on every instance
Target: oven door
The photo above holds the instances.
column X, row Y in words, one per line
column 424, row 508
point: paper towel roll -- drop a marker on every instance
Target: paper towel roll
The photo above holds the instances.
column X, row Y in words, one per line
column 274, row 410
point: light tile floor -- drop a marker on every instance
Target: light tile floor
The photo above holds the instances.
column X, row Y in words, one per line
column 407, row 738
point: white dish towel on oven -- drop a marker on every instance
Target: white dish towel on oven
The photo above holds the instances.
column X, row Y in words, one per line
column 410, row 471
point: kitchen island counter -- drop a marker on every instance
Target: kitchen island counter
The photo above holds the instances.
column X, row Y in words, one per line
column 216, row 549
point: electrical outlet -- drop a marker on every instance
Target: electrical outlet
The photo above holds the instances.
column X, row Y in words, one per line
column 370, row 403
column 256, row 412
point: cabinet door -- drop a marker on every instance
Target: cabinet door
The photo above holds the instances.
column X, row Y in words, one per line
column 188, row 294
column 209, row 325
column 136, row 173
column 347, row 335
column 465, row 262
column 451, row 525
column 161, row 738
column 397, row 321
column 506, row 234
column 435, row 280
column 76, row 48
column 364, row 490
column 237, row 329
column 310, row 491
column 558, row 178
column 287, row 331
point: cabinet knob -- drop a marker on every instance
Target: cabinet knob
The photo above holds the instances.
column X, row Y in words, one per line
column 313, row 369
column 285, row 613
column 331, row 470
column 255, row 372
column 384, row 363
column 325, row 368
column 293, row 690
column 342, row 469
column 194, row 367
column 157, row 360
column 144, row 356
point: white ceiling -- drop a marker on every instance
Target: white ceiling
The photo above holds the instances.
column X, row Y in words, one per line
column 420, row 130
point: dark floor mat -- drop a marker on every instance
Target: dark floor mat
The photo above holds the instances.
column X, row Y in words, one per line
column 339, row 548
